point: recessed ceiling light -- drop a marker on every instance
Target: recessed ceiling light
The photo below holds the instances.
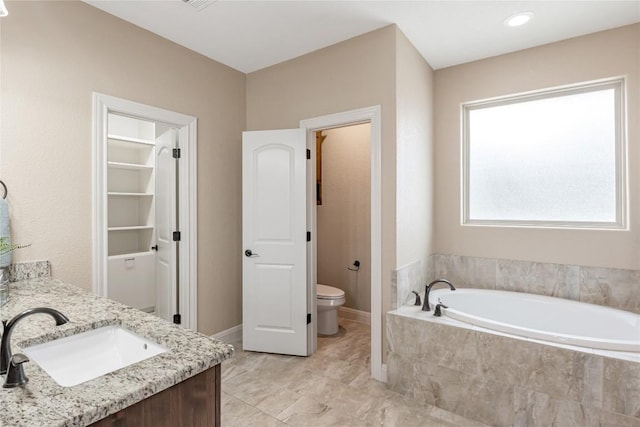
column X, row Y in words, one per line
column 518, row 19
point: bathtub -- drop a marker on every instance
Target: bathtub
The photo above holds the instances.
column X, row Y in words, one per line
column 528, row 376
column 545, row 318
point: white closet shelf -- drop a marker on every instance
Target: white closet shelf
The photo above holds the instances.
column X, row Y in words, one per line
column 130, row 166
column 113, row 193
column 131, row 227
column 120, row 138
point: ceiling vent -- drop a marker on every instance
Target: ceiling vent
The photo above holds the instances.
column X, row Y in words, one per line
column 198, row 4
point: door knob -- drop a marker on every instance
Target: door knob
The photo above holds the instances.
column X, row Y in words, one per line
column 154, row 248
column 249, row 253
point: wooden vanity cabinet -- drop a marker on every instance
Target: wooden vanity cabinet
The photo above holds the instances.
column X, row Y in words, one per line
column 194, row 402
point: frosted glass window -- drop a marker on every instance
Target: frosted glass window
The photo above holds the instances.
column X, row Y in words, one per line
column 549, row 158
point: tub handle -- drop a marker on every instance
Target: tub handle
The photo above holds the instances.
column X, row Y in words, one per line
column 418, row 300
column 438, row 312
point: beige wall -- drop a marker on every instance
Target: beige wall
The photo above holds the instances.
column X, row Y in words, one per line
column 377, row 68
column 54, row 55
column 344, row 218
column 600, row 55
column 414, row 153
column 357, row 73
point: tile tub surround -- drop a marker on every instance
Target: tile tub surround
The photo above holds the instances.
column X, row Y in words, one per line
column 504, row 381
column 411, row 277
column 42, row 402
column 611, row 287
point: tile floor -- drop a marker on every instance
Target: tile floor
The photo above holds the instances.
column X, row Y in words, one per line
column 330, row 388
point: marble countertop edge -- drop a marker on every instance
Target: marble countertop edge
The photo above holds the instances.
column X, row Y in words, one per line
column 44, row 402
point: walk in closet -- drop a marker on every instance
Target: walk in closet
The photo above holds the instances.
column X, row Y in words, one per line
column 145, row 208
column 131, row 176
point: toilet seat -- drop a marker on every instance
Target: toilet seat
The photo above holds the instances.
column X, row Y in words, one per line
column 329, row 292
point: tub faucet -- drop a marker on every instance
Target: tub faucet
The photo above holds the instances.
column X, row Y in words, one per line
column 5, row 345
column 417, row 302
column 438, row 312
column 425, row 306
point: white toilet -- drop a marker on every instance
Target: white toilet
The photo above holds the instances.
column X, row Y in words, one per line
column 328, row 299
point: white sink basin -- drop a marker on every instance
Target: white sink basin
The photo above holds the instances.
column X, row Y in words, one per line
column 78, row 358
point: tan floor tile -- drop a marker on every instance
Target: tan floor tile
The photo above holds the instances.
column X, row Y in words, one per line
column 370, row 386
column 278, row 401
column 236, row 413
column 308, row 412
column 453, row 419
column 338, row 396
column 335, row 368
column 332, row 387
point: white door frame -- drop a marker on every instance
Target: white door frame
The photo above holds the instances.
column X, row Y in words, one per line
column 373, row 116
column 187, row 125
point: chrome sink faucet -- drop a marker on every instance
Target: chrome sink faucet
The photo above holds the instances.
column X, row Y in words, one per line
column 425, row 306
column 13, row 364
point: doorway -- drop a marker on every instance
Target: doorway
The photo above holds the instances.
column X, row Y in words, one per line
column 343, row 211
column 371, row 115
column 144, row 214
column 279, row 220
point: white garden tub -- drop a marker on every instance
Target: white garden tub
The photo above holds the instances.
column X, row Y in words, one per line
column 545, row 318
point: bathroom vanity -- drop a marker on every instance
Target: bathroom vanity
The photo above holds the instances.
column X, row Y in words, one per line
column 180, row 386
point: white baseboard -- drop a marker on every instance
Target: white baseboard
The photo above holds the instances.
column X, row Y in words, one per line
column 353, row 314
column 231, row 334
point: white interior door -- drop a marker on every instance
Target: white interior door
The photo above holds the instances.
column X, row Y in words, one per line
column 274, row 284
column 166, row 224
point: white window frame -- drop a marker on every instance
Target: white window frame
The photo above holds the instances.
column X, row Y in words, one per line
column 619, row 86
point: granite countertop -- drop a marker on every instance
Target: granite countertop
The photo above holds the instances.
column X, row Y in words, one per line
column 42, row 402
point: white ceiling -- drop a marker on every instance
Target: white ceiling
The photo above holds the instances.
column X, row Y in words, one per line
column 250, row 35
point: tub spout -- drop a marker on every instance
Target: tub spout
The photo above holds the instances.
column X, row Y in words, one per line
column 425, row 306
